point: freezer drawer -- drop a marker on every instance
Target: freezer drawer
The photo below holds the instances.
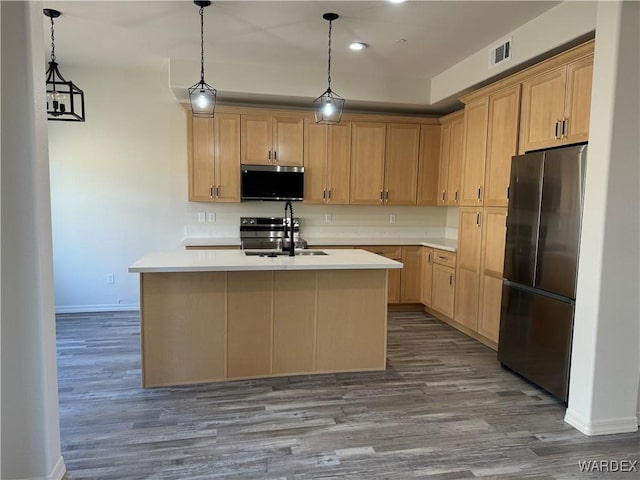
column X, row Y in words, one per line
column 536, row 331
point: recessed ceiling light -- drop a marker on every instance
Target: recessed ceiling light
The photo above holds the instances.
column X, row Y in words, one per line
column 357, row 46
column 397, row 1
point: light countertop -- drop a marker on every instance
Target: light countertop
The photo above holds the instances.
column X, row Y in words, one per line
column 441, row 243
column 236, row 260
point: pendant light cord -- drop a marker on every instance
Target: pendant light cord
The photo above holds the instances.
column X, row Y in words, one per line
column 202, row 44
column 329, row 61
column 53, row 45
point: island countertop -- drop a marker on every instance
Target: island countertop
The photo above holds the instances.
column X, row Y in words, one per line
column 237, row 260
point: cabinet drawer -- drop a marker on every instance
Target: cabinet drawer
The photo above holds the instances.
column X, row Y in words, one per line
column 392, row 252
column 443, row 257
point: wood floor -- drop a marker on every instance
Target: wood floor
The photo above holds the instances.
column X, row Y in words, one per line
column 444, row 409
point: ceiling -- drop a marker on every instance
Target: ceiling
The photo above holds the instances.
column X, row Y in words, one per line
column 414, row 40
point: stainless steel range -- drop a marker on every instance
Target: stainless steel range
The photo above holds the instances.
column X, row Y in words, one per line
column 268, row 233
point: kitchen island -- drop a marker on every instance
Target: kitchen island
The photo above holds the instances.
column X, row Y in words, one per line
column 209, row 315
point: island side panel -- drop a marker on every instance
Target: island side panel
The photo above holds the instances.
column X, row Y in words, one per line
column 294, row 321
column 183, row 325
column 352, row 320
column 249, row 326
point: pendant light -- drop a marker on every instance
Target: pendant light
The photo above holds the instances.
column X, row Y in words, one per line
column 328, row 106
column 202, row 95
column 65, row 101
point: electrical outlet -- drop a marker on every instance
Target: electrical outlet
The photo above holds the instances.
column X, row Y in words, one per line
column 392, row 218
column 201, row 217
column 212, row 216
column 328, row 218
column 110, row 278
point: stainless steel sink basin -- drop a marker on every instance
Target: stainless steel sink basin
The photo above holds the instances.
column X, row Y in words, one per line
column 278, row 253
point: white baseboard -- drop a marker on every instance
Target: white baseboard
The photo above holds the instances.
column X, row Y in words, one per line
column 601, row 427
column 57, row 473
column 108, row 307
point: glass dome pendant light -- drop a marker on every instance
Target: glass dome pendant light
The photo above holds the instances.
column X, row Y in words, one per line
column 328, row 106
column 65, row 101
column 202, row 95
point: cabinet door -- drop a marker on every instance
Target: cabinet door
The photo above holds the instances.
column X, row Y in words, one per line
column 426, row 266
column 249, row 324
column 444, row 280
column 315, row 162
column 445, row 155
column 502, row 144
column 294, row 321
column 338, row 163
column 227, row 157
column 367, row 163
column 288, row 140
column 475, row 151
column 578, row 100
column 428, row 165
column 468, row 267
column 401, row 164
column 256, row 139
column 493, row 233
column 394, row 281
column 455, row 161
column 542, row 110
column 410, row 277
column 201, row 159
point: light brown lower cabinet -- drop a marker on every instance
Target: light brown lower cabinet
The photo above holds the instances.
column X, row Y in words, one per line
column 438, row 280
column 493, row 240
column 410, row 276
column 206, row 326
column 426, row 275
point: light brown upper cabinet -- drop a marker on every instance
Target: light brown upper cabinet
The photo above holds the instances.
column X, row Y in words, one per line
column 214, row 158
column 502, row 144
column 327, row 155
column 272, row 139
column 555, row 106
column 384, row 163
column 428, row 164
column 451, row 144
column 401, row 164
column 475, row 151
column 367, row 163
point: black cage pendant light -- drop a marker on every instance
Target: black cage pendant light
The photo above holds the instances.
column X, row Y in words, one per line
column 328, row 106
column 65, row 101
column 202, row 95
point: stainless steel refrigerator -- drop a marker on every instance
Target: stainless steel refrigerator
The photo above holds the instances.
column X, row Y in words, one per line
column 540, row 265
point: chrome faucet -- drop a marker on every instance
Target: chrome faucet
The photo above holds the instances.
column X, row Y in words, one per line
column 289, row 224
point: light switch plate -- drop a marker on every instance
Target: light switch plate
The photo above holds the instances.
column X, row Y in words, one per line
column 201, row 217
column 392, row 218
column 212, row 216
column 328, row 218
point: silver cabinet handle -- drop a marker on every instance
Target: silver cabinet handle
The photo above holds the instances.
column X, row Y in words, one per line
column 330, row 193
column 564, row 128
column 211, row 191
column 324, row 194
column 429, row 258
column 556, row 136
column 218, row 191
column 381, row 195
column 451, row 280
column 443, row 193
column 275, row 155
column 478, row 218
column 269, row 154
column 455, row 196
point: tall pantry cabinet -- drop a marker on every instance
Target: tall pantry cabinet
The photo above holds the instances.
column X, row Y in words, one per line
column 491, row 139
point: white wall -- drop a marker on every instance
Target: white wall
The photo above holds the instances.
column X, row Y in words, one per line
column 554, row 28
column 30, row 426
column 119, row 191
column 603, row 393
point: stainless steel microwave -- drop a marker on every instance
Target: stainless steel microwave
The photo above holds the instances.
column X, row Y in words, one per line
column 271, row 182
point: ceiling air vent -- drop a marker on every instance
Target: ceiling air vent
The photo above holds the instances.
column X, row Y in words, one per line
column 500, row 53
